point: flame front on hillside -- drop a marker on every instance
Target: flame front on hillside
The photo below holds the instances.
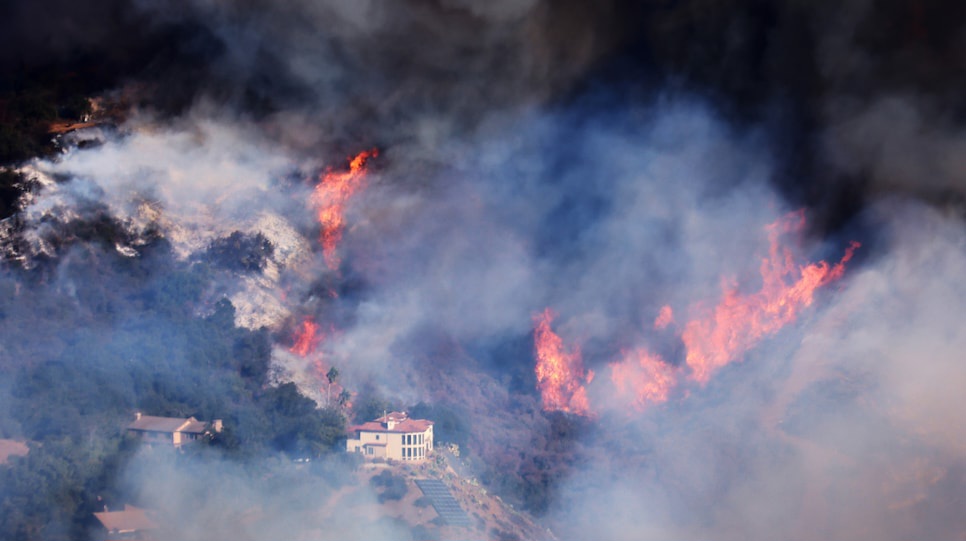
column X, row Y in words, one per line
column 560, row 373
column 643, row 378
column 712, row 338
column 739, row 321
column 307, row 339
column 330, row 198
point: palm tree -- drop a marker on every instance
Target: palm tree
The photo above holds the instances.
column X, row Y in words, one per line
column 331, row 375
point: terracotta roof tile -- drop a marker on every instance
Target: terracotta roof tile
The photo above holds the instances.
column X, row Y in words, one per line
column 402, row 424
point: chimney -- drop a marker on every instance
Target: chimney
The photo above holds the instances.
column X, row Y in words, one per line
column 217, row 425
column 137, row 415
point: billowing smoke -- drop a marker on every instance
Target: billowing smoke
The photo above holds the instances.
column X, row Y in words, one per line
column 842, row 428
column 224, row 500
column 615, row 164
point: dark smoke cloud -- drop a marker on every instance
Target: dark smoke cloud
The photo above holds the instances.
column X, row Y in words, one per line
column 905, row 145
column 359, row 71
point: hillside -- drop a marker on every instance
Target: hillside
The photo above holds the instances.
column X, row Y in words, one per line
column 407, row 509
column 657, row 270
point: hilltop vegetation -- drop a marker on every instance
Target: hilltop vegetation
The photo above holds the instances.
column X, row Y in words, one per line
column 100, row 336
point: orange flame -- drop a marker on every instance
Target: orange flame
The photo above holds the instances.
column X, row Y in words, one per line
column 643, row 378
column 307, row 339
column 712, row 339
column 560, row 373
column 739, row 321
column 331, row 195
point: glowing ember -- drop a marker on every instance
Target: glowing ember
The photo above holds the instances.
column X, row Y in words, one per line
column 720, row 336
column 664, row 318
column 330, row 198
column 643, row 378
column 307, row 338
column 560, row 373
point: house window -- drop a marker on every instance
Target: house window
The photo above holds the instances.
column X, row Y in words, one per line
column 377, row 436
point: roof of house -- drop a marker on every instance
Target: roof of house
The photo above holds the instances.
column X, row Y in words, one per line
column 129, row 520
column 401, row 423
column 194, row 426
column 167, row 424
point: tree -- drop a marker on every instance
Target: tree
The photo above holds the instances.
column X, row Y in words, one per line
column 297, row 426
column 331, row 375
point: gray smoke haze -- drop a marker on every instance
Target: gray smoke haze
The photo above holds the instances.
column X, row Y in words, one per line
column 849, row 426
column 511, row 178
column 660, row 211
column 216, row 499
column 906, row 145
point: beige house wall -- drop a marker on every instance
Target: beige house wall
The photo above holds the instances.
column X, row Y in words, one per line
column 395, row 445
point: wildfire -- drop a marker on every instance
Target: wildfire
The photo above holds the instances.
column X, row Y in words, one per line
column 712, row 338
column 307, row 339
column 643, row 378
column 720, row 336
column 560, row 373
column 331, row 195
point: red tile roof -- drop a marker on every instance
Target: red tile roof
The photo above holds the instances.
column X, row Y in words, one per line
column 402, row 424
